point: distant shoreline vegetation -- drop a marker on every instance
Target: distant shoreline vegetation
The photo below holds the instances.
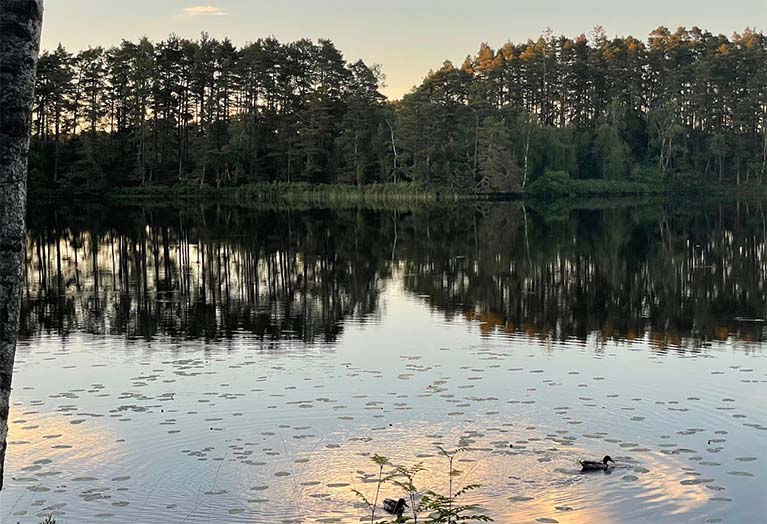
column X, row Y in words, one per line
column 551, row 116
column 288, row 193
column 554, row 186
column 339, row 194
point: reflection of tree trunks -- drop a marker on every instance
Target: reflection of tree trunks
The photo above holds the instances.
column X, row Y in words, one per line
column 155, row 254
column 76, row 241
column 112, row 250
column 146, row 306
column 269, row 276
column 217, row 280
column 227, row 297
column 20, row 24
column 394, row 240
column 27, row 264
column 166, row 260
column 211, row 277
column 183, row 259
column 304, row 300
column 321, row 272
column 527, row 237
column 94, row 269
column 40, row 267
column 201, row 262
column 256, row 277
column 59, row 279
column 120, row 262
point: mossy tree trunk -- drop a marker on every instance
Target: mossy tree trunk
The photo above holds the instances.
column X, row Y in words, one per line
column 20, row 25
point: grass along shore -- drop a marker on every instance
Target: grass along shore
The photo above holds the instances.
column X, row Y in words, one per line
column 289, row 193
column 299, row 192
column 553, row 185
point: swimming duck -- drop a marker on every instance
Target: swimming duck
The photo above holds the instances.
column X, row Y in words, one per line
column 592, row 465
column 395, row 507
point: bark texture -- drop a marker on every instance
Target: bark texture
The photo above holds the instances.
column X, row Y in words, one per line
column 20, row 25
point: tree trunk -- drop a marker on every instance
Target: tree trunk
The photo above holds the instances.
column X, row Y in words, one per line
column 476, row 142
column 764, row 146
column 393, row 149
column 20, row 24
column 721, row 167
column 356, row 149
column 527, row 150
column 667, row 156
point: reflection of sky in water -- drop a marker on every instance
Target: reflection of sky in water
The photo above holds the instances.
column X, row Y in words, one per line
column 234, row 431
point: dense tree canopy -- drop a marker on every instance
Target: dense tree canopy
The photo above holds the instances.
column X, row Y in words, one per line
column 684, row 104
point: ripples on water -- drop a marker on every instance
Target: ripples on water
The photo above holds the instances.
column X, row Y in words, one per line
column 183, row 372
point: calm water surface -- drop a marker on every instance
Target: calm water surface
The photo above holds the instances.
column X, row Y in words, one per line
column 231, row 365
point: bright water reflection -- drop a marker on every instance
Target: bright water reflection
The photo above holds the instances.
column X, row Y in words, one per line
column 233, row 366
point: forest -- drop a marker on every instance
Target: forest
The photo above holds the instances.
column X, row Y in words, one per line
column 683, row 106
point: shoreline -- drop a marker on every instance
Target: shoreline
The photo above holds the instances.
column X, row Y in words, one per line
column 299, row 193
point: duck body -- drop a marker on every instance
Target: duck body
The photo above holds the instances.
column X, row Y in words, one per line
column 593, row 465
column 395, row 507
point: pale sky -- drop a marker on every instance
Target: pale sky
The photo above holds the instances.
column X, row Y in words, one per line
column 407, row 37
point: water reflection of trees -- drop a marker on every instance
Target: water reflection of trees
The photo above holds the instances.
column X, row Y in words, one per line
column 672, row 273
column 202, row 273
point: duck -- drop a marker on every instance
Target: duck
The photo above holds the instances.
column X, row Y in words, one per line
column 593, row 465
column 395, row 507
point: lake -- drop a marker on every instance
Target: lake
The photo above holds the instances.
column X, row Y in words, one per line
column 219, row 364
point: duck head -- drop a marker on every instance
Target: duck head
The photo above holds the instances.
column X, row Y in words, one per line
column 607, row 459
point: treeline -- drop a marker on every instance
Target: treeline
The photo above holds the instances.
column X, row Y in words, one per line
column 686, row 105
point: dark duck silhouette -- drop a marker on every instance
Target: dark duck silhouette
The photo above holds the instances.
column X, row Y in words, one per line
column 395, row 507
column 593, row 465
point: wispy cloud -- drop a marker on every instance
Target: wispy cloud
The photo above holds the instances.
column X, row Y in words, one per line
column 204, row 10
